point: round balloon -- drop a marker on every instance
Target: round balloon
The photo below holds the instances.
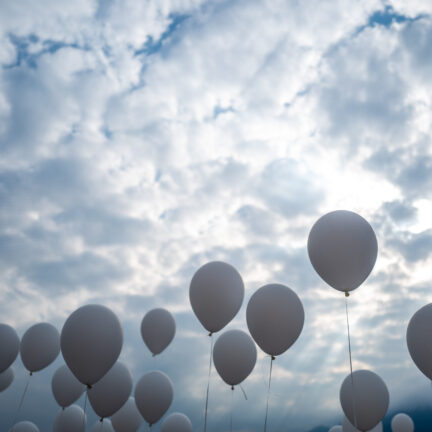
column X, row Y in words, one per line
column 158, row 328
column 402, row 423
column 39, row 346
column 275, row 318
column 109, row 394
column 348, row 427
column 370, row 399
column 177, row 422
column 419, row 341
column 342, row 248
column 65, row 387
column 216, row 294
column 153, row 396
column 91, row 341
column 127, row 418
column 70, row 419
column 6, row 378
column 102, row 426
column 9, row 346
column 336, row 429
column 234, row 356
column 24, row 426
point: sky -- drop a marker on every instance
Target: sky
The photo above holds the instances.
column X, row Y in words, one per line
column 140, row 140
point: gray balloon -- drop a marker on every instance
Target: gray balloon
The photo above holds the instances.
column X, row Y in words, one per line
column 127, row 418
column 91, row 342
column 419, row 341
column 40, row 346
column 348, row 427
column 6, row 378
column 402, row 423
column 70, row 419
column 102, row 426
column 158, row 328
column 153, row 396
column 9, row 346
column 275, row 318
column 109, row 394
column 24, row 426
column 369, row 396
column 216, row 294
column 342, row 248
column 177, row 422
column 336, row 429
column 65, row 387
column 234, row 356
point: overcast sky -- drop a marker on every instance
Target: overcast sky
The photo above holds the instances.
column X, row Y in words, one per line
column 141, row 139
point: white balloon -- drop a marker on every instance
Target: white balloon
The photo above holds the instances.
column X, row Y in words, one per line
column 177, row 422
column 102, row 426
column 234, row 356
column 24, row 426
column 91, row 341
column 70, row 419
column 109, row 394
column 65, row 387
column 158, row 328
column 9, row 346
column 6, row 378
column 402, row 423
column 342, row 248
column 348, row 427
column 40, row 346
column 216, row 294
column 336, row 429
column 370, row 398
column 127, row 418
column 153, row 396
column 419, row 341
column 275, row 318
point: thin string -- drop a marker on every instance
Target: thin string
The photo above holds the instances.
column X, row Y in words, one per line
column 268, row 392
column 85, row 407
column 350, row 360
column 244, row 393
column 208, row 381
column 232, row 403
column 21, row 401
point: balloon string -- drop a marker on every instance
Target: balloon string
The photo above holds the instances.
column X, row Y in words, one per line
column 268, row 392
column 21, row 401
column 208, row 382
column 85, row 407
column 350, row 361
column 244, row 393
column 232, row 403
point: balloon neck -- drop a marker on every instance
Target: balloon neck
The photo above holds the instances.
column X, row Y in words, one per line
column 232, row 387
column 346, row 294
column 31, row 373
column 88, row 386
column 63, row 408
column 101, row 419
column 210, row 334
column 273, row 358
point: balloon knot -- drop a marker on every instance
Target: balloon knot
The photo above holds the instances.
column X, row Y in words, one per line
column 101, row 419
column 31, row 373
column 273, row 358
column 89, row 386
column 346, row 294
column 210, row 334
column 232, row 387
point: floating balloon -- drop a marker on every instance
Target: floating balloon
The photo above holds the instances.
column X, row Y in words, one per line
column 275, row 318
column 342, row 248
column 158, row 328
column 6, row 378
column 102, row 426
column 370, row 397
column 234, row 356
column 153, row 396
column 127, row 418
column 65, row 387
column 70, row 419
column 216, row 294
column 336, row 429
column 9, row 346
column 109, row 394
column 402, row 423
column 177, row 422
column 91, row 341
column 25, row 426
column 419, row 341
column 40, row 346
column 348, row 427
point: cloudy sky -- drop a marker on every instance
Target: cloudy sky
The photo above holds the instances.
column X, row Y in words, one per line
column 142, row 139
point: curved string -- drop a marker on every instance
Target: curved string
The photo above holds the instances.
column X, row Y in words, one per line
column 268, row 392
column 85, row 407
column 208, row 382
column 21, row 402
column 244, row 393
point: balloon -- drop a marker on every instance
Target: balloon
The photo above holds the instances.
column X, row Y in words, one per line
column 402, row 423
column 342, row 248
column 65, row 387
column 102, row 426
column 216, row 294
column 177, row 422
column 127, row 418
column 418, row 339
column 9, row 346
column 370, row 397
column 153, row 396
column 336, row 429
column 6, row 378
column 25, row 426
column 158, row 328
column 275, row 318
column 234, row 356
column 91, row 341
column 110, row 393
column 40, row 346
column 348, row 427
column 70, row 419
